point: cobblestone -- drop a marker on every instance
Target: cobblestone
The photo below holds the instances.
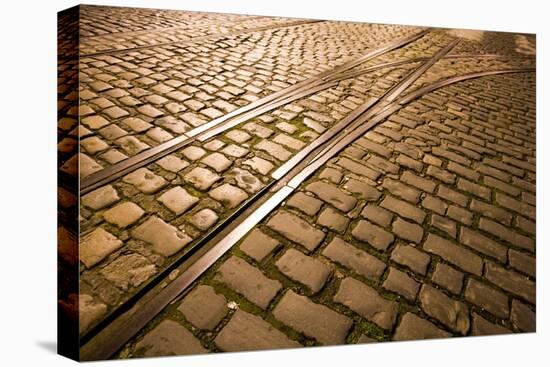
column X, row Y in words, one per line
column 316, row 321
column 399, row 282
column 178, row 200
column 454, row 254
column 307, row 204
column 367, row 302
column 123, row 214
column 100, row 198
column 423, row 227
column 170, row 338
column 407, row 231
column 481, row 326
column 373, row 235
column 403, row 209
column 303, row 269
column 249, row 281
column 487, row 298
column 165, row 239
column 331, row 219
column 332, row 195
column 296, row 229
column 452, row 313
column 248, row 332
column 97, row 245
column 413, row 327
column 353, row 258
column 523, row 317
column 510, row 281
column 145, row 181
column 204, row 308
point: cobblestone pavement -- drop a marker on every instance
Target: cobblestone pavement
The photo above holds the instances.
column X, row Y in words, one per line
column 422, row 228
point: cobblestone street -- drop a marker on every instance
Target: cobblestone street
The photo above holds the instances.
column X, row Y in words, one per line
column 422, row 225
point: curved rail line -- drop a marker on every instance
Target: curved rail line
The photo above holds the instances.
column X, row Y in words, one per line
column 114, row 332
column 222, row 224
column 263, row 105
column 220, row 124
column 150, row 306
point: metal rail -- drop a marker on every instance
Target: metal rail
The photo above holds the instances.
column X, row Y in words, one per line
column 221, row 124
column 110, row 338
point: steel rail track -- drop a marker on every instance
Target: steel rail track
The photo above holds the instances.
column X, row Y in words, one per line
column 114, row 334
column 282, row 100
column 253, row 214
column 220, row 124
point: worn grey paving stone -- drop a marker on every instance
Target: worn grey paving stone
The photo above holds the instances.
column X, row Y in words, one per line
column 353, row 258
column 407, row 231
column 413, row 327
column 481, row 326
column 364, row 190
column 333, row 220
column 403, row 191
column 145, row 180
column 245, row 180
column 90, row 312
column 447, row 277
column 166, row 239
column 303, row 269
column 258, row 245
column 488, row 298
column 201, row 178
column 169, row 338
column 123, row 214
column 204, row 219
column 178, row 200
column 248, row 281
column 522, row 262
column 246, row 332
column 358, row 168
column 511, row 281
column 411, row 257
column 305, row 203
column 373, row 235
column 314, row 320
column 399, row 282
column 296, row 229
column 332, row 195
column 454, row 254
column 259, row 164
column 229, row 195
column 377, row 215
column 203, row 307
column 366, row 302
column 403, row 209
column 97, row 245
column 100, row 198
column 483, row 244
column 451, row 313
column 217, row 162
column 523, row 317
column 129, row 270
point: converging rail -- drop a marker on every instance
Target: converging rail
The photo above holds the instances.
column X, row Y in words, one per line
column 123, row 323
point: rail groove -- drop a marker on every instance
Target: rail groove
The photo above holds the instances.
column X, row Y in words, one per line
column 108, row 340
column 254, row 109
